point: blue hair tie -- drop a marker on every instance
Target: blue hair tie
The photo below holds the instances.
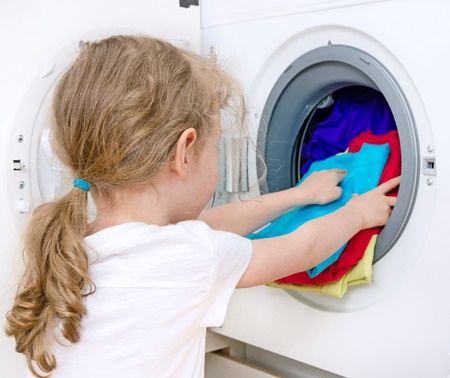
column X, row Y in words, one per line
column 79, row 183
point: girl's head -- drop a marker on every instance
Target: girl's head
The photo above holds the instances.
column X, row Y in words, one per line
column 121, row 107
column 118, row 113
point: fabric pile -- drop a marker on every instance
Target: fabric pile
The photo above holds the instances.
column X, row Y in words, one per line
column 357, row 134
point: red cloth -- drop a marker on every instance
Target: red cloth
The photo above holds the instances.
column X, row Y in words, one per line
column 357, row 245
column 394, row 163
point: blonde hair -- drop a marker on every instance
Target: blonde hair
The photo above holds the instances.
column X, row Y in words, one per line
column 118, row 112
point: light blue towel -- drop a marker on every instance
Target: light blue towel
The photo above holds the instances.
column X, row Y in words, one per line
column 364, row 172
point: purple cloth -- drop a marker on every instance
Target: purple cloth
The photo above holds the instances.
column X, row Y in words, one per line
column 355, row 110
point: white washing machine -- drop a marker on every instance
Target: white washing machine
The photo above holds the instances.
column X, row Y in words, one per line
column 290, row 55
column 398, row 325
column 38, row 41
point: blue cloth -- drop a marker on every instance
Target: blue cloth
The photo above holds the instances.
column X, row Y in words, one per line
column 364, row 171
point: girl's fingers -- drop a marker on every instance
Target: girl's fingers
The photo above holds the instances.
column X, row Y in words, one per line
column 387, row 186
column 340, row 172
column 391, row 201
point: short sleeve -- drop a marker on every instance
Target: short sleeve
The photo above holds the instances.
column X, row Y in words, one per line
column 232, row 254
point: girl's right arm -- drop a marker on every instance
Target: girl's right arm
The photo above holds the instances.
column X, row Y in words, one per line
column 319, row 238
column 244, row 217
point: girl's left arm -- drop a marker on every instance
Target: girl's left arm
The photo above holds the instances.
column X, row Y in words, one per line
column 245, row 217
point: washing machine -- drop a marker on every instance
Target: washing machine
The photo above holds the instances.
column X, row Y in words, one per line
column 292, row 57
column 39, row 40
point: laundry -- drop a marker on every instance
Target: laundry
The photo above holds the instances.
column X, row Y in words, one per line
column 355, row 248
column 355, row 110
column 350, row 256
column 361, row 273
column 364, row 171
column 394, row 163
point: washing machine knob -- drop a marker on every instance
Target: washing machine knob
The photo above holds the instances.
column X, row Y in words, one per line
column 22, row 206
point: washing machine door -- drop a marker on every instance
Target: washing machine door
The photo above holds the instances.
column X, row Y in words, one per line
column 365, row 88
column 325, row 84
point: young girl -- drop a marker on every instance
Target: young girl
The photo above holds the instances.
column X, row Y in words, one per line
column 131, row 293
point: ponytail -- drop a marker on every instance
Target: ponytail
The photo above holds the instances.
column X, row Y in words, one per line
column 54, row 281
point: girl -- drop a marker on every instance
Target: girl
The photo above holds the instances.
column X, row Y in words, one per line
column 132, row 292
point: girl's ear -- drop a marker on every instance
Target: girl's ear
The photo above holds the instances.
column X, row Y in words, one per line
column 184, row 153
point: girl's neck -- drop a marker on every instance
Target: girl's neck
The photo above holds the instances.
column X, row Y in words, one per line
column 130, row 204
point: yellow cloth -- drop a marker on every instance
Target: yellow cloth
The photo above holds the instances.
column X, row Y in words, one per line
column 359, row 274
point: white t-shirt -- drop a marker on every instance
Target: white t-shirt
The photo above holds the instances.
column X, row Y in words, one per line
column 157, row 289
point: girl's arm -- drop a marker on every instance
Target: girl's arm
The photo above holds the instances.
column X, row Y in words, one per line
column 317, row 239
column 247, row 216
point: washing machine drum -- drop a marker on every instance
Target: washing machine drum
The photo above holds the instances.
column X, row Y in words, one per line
column 320, row 105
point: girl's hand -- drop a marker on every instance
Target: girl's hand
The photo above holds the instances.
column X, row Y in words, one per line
column 375, row 207
column 322, row 187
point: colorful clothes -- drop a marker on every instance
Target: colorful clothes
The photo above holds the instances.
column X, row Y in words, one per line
column 364, row 171
column 355, row 248
column 359, row 274
column 355, row 110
